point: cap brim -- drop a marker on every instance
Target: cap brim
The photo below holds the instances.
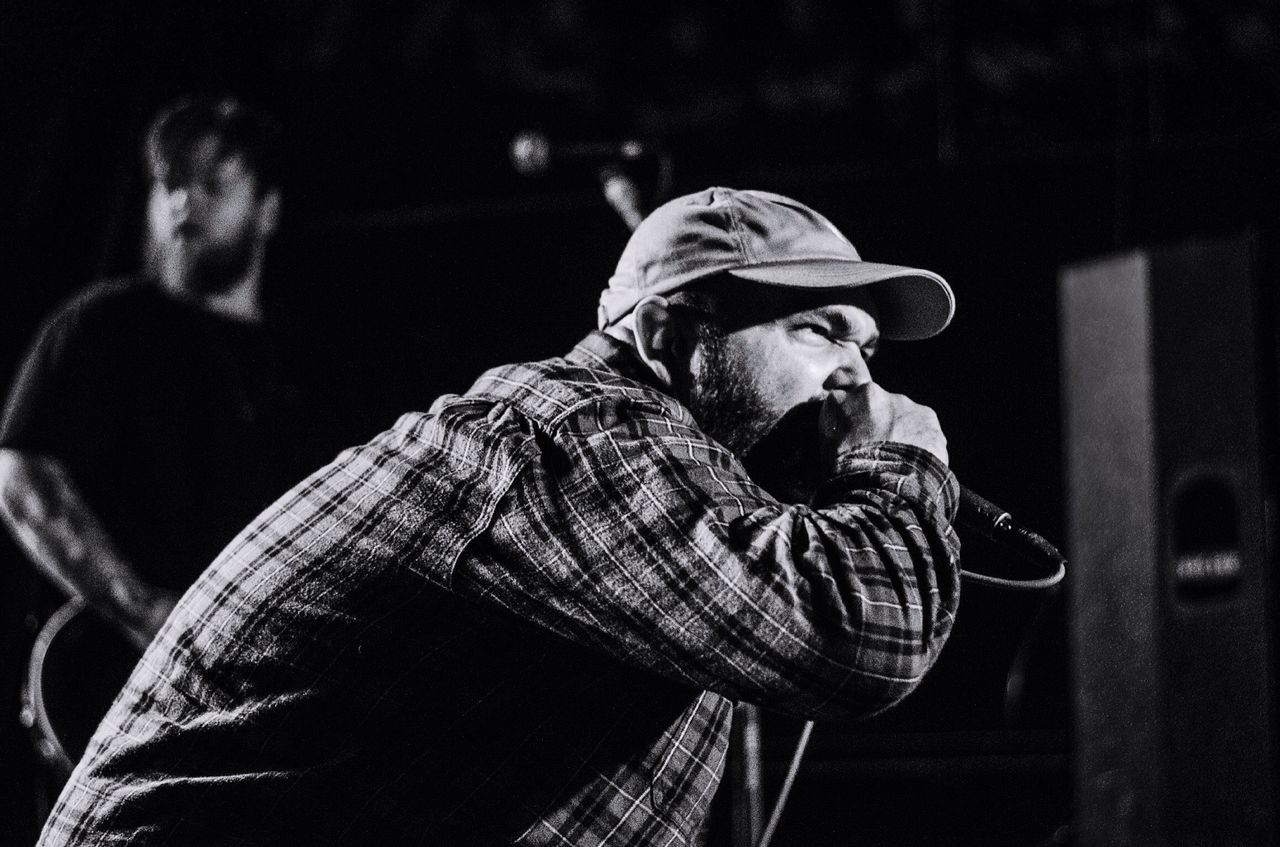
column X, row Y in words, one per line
column 914, row 303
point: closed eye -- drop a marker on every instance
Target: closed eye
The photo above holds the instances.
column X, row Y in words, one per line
column 815, row 333
column 837, row 325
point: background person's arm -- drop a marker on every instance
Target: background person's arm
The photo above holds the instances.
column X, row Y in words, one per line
column 65, row 539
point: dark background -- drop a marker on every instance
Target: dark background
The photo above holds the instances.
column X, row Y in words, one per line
column 993, row 142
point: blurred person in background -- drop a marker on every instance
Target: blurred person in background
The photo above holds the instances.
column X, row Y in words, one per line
column 152, row 416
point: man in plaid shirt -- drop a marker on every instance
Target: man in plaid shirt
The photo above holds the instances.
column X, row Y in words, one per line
column 523, row 616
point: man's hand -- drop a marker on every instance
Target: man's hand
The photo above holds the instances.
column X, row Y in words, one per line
column 854, row 416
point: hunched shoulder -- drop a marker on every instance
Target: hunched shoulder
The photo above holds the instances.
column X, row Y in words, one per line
column 553, row 392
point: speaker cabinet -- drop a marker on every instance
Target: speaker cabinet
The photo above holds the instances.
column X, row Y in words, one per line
column 1167, row 533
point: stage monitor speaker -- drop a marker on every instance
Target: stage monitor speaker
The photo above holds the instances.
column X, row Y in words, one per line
column 1168, row 539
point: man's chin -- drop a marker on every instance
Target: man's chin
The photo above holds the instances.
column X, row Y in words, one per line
column 198, row 276
column 785, row 461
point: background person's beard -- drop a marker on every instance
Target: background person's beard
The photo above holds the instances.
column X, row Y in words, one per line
column 201, row 269
column 780, row 455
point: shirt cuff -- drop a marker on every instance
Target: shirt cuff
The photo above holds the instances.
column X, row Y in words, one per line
column 901, row 469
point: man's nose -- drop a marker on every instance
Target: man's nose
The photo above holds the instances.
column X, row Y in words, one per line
column 179, row 204
column 852, row 374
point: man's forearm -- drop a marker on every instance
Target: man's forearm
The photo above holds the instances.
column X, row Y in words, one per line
column 66, row 540
column 817, row 612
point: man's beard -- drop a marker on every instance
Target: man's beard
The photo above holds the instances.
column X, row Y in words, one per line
column 201, row 268
column 779, row 452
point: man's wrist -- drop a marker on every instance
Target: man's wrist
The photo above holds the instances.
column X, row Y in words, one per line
column 888, row 465
column 131, row 598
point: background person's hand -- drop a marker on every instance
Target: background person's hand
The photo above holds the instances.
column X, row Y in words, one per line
column 149, row 616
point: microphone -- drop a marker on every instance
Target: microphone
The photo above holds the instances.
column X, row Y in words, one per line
column 984, row 518
column 532, row 153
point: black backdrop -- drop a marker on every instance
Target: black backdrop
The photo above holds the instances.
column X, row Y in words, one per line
column 413, row 257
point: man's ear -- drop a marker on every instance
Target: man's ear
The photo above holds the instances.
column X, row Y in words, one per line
column 663, row 340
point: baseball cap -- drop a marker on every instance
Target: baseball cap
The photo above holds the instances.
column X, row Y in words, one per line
column 770, row 239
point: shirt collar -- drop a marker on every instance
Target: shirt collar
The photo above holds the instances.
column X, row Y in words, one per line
column 599, row 349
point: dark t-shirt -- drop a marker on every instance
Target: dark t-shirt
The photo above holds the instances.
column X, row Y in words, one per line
column 178, row 426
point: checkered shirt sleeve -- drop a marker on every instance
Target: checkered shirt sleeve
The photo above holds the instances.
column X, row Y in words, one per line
column 639, row 536
column 595, row 579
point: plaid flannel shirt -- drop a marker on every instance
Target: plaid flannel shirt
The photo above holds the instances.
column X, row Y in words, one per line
column 519, row 618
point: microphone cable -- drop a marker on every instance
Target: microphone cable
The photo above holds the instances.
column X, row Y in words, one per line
column 792, row 770
column 987, row 520
column 984, row 518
